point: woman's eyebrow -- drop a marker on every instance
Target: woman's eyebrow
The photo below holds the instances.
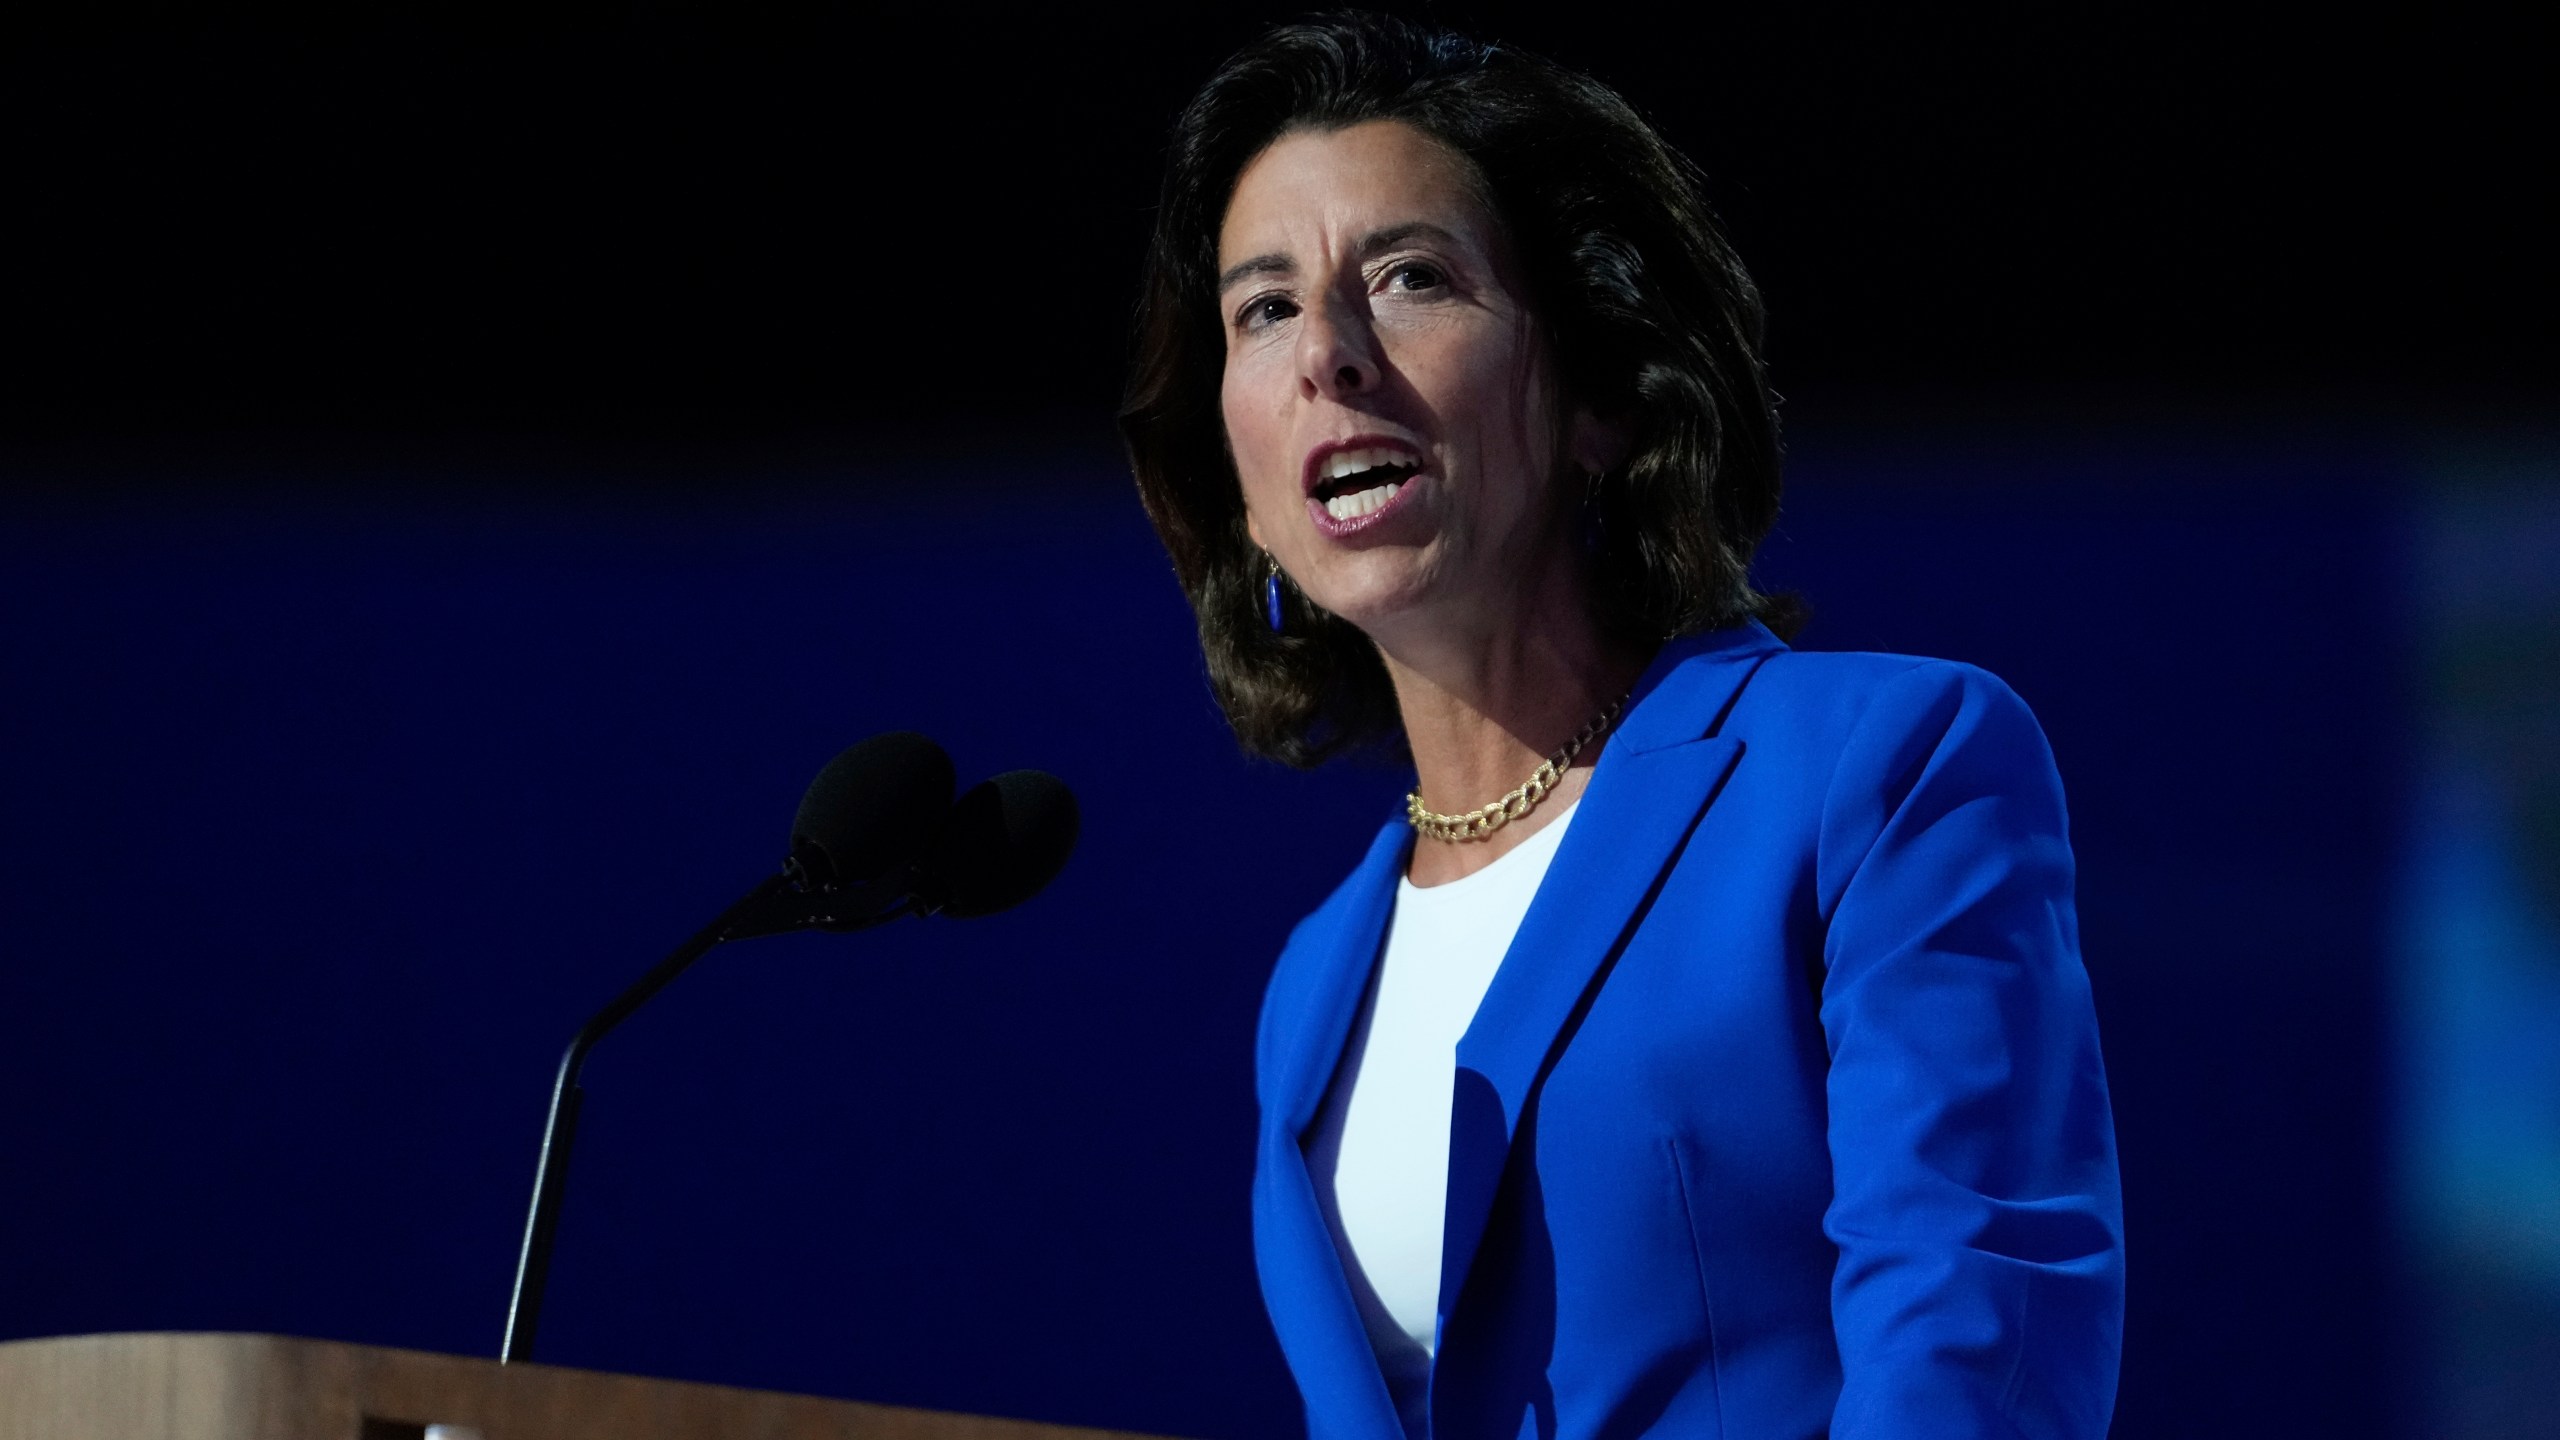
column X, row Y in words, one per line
column 1272, row 264
column 1394, row 235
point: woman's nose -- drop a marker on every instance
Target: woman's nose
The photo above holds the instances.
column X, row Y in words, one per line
column 1337, row 353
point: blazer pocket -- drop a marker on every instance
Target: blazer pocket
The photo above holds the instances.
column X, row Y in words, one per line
column 1689, row 1180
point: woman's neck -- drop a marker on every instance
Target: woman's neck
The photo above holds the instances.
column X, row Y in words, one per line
column 1481, row 715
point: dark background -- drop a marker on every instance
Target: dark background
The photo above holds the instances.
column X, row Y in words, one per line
column 464, row 472
column 645, row 220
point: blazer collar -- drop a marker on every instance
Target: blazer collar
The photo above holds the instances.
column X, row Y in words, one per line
column 1684, row 694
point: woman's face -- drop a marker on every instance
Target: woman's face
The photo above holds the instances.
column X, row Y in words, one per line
column 1386, row 394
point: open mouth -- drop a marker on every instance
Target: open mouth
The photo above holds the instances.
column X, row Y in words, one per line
column 1358, row 482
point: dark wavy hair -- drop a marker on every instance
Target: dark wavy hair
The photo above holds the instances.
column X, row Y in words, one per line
column 1649, row 315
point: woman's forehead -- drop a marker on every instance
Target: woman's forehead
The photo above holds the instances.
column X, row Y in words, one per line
column 1330, row 187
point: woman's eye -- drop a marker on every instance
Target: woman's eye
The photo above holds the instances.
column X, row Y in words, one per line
column 1416, row 275
column 1264, row 310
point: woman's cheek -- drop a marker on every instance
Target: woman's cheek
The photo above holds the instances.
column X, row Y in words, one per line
column 1258, row 445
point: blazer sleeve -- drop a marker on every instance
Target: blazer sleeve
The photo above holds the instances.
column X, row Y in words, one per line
column 1975, row 1204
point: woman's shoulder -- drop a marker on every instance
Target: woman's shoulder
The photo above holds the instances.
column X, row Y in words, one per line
column 1842, row 692
column 1849, row 747
column 1855, row 727
column 1834, row 677
column 1822, row 697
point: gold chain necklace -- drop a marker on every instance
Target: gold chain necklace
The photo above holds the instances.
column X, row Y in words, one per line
column 1482, row 821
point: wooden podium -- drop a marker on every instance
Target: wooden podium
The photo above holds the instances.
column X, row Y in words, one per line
column 269, row 1387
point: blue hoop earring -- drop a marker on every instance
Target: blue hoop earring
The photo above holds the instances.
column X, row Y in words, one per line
column 1271, row 596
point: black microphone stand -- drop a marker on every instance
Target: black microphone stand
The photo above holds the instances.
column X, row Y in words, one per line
column 784, row 902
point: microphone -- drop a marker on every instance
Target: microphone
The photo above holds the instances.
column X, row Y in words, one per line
column 1003, row 842
column 877, row 836
column 875, row 806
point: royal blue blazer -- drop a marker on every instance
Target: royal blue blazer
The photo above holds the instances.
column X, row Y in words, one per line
column 1783, row 1116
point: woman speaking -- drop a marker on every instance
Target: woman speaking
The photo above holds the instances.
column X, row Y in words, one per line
column 1705, row 1050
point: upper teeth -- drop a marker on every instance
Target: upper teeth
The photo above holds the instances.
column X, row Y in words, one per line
column 1352, row 462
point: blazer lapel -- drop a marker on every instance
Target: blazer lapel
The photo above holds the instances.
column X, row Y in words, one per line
column 1315, row 996
column 1651, row 784
column 1317, row 985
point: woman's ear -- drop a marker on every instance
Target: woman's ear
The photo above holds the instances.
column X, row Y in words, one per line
column 1597, row 446
column 1253, row 532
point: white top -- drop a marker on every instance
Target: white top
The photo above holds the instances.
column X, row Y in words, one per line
column 1379, row 1152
